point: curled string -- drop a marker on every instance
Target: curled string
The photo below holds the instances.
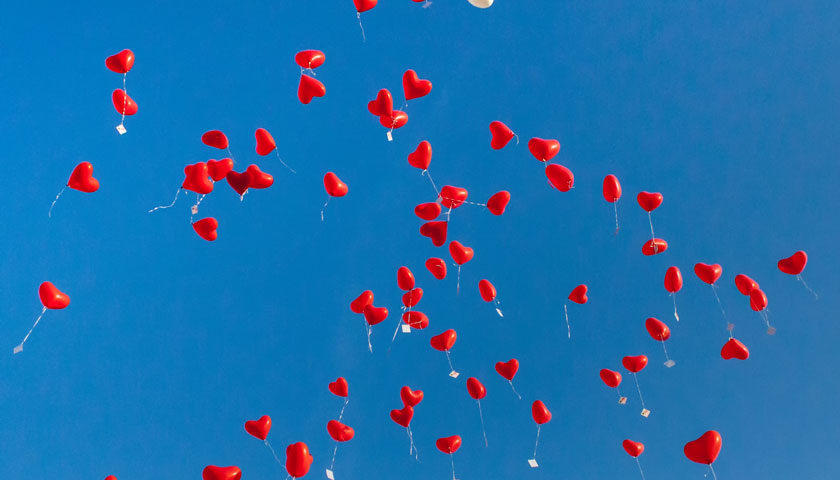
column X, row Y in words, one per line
column 537, row 443
column 325, row 207
column 412, row 448
column 636, row 379
column 674, row 298
column 799, row 277
column 568, row 326
column 19, row 348
column 177, row 192
column 452, row 458
column 341, row 413
column 335, row 451
column 652, row 236
column 615, row 207
column 481, row 416
column 640, row 467
column 728, row 325
column 49, row 214
column 517, row 138
column 514, row 390
column 449, row 360
column 359, row 16
column 278, row 154
column 426, row 173
column 712, row 469
column 276, row 458
column 367, row 328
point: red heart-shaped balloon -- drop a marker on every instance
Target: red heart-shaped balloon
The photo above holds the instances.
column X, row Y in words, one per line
column 540, row 412
column 52, row 297
column 120, row 62
column 428, row 211
column 405, row 279
column 734, row 349
column 500, row 135
column 215, row 139
column 395, row 120
column 654, row 246
column 259, row 428
column 578, row 294
column 476, row 389
column 612, row 189
column 218, row 169
column 543, row 150
column 635, row 364
column 436, row 231
column 444, row 341
column 374, row 315
column 339, row 387
column 498, row 202
column 487, row 290
column 265, row 142
column 310, row 88
column 673, row 279
column 560, row 177
column 460, row 253
column 708, row 273
column 197, row 178
column 610, row 377
column 364, row 5
column 383, row 105
column 657, row 329
column 206, row 228
column 110, row 477
column 403, row 416
column 745, row 284
column 437, row 267
column 508, row 369
column 634, row 449
column 421, row 157
column 448, row 445
column 123, row 103
column 414, row 87
column 310, row 58
column 758, row 300
column 411, row 398
column 794, row 264
column 358, row 305
column 334, row 186
column 257, row 178
column 412, row 297
column 239, row 182
column 452, row 197
column 82, row 178
column 649, row 201
column 298, row 459
column 212, row 472
column 705, row 449
column 339, row 431
column 415, row 319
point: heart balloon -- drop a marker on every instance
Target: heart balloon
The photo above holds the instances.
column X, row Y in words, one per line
column 120, row 62
column 705, row 449
column 82, row 178
column 498, row 202
column 437, row 267
column 745, row 284
column 543, row 150
column 560, row 177
column 310, row 58
column 218, row 169
column 578, row 294
column 411, row 397
column 110, row 477
column 758, row 300
column 358, row 305
column 734, row 349
column 412, row 297
column 206, row 228
column 212, row 472
column 612, row 189
column 364, row 5
column 649, row 201
column 52, row 297
column 436, row 231
column 197, row 178
column 635, row 364
column 421, row 157
column 444, row 341
column 657, row 329
column 215, row 139
column 405, row 279
column 395, row 120
column 448, row 445
column 794, row 264
column 428, row 211
column 460, row 253
column 708, row 273
column 298, row 459
column 334, row 186
column 265, row 142
column 654, row 246
column 309, row 88
column 415, row 319
column 123, row 103
column 476, row 389
column 500, row 135
column 452, row 197
column 673, row 279
column 634, row 449
column 257, row 178
column 487, row 290
column 339, row 431
column 540, row 412
column 374, row 315
column 611, row 378
column 508, row 369
column 339, row 387
column 259, row 428
column 383, row 105
column 414, row 87
column 403, row 416
column 239, row 182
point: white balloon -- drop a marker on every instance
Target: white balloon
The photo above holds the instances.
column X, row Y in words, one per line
column 481, row 3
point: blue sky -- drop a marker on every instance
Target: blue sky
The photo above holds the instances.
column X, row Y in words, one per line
column 171, row 343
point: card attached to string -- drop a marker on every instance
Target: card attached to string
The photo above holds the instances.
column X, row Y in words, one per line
column 121, row 129
column 670, row 363
column 533, row 462
column 454, row 374
column 390, row 137
column 330, row 474
column 406, row 328
column 622, row 400
column 645, row 413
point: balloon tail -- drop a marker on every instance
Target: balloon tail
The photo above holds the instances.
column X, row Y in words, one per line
column 341, row 413
column 335, row 451
column 517, row 138
column 537, row 443
column 652, row 236
column 412, row 448
column 452, row 458
column 359, row 16
column 370, row 346
column 19, row 348
column 281, row 160
column 325, row 207
column 640, row 468
column 615, row 207
column 276, row 458
column 458, row 284
column 568, row 326
column 177, row 192
column 714, row 290
column 514, row 390
column 713, row 471
column 674, row 298
column 802, row 280
column 481, row 416
column 426, row 172
column 49, row 214
column 498, row 308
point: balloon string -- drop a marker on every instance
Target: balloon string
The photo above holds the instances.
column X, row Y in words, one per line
column 177, row 192
column 674, row 298
column 714, row 290
column 19, row 348
column 412, row 446
column 517, row 138
column 615, row 207
column 498, row 307
column 652, row 236
column 125, row 99
column 426, row 172
column 568, row 326
column 449, row 360
column 194, row 208
column 452, row 458
column 281, row 160
column 481, row 416
column 458, row 284
column 799, row 277
column 618, row 390
column 766, row 317
column 49, row 214
column 367, row 327
column 276, row 458
column 636, row 379
column 668, row 359
column 341, row 413
column 514, row 390
column 359, row 16
column 230, row 154
column 325, row 207
column 335, row 451
column 537, row 443
column 640, row 467
column 399, row 321
column 713, row 471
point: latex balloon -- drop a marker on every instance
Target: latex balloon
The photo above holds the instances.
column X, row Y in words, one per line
column 212, row 472
column 635, row 364
column 374, row 315
column 611, row 378
column 403, row 416
column 708, row 273
column 123, row 103
column 436, row 231
column 339, row 431
column 405, row 279
column 334, row 186
column 487, row 290
column 452, row 197
column 500, row 135
column 257, row 178
column 540, row 412
column 508, row 369
column 476, row 389
column 309, row 88
column 395, row 120
column 705, row 449
column 215, row 139
column 259, row 428
column 120, row 62
column 734, row 349
column 414, row 87
column 82, row 178
column 578, row 294
column 634, row 449
column 649, row 201
column 448, row 444
column 745, row 284
column 265, row 142
column 673, row 280
column 758, row 300
column 197, row 178
column 428, row 211
column 481, row 3
column 657, row 329
column 560, row 177
column 412, row 297
column 110, row 477
column 298, row 459
column 339, row 387
column 383, row 105
column 52, row 297
column 654, row 247
column 415, row 319
column 437, row 267
column 460, row 253
column 498, row 202
column 206, row 228
column 421, row 157
column 444, row 341
column 310, row 58
column 364, row 5
column 411, row 398
column 543, row 150
column 239, row 182
column 612, row 189
column 358, row 305
column 218, row 169
column 794, row 264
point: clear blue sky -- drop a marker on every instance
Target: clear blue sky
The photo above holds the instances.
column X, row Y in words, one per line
column 171, row 343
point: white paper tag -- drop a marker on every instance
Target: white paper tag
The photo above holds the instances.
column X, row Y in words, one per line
column 18, row 349
column 533, row 462
column 194, row 209
column 670, row 363
column 406, row 328
column 454, row 374
column 121, row 128
column 390, row 137
column 622, row 400
column 499, row 311
column 646, row 413
column 330, row 474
